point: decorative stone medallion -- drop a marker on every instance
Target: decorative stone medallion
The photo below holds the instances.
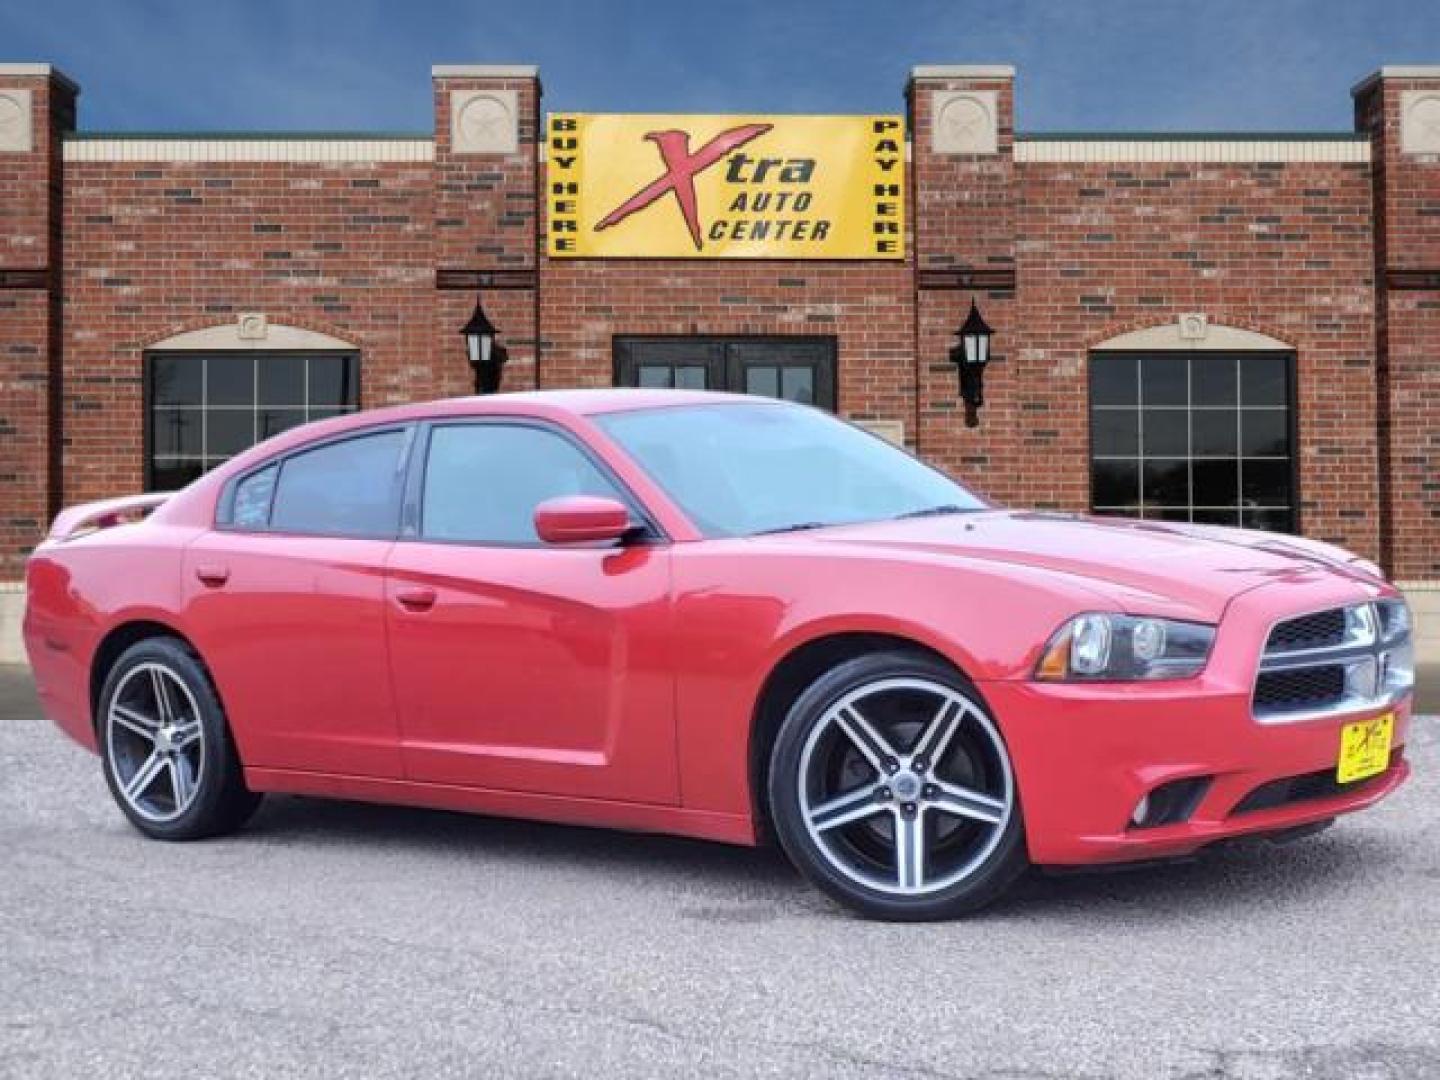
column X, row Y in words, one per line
column 252, row 326
column 1194, row 326
column 16, row 135
column 1420, row 121
column 484, row 122
column 965, row 122
column 890, row 430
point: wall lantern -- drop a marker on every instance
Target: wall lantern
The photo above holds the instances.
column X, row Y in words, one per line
column 970, row 356
column 486, row 355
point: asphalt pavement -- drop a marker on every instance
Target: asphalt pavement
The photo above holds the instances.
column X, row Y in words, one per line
column 334, row 939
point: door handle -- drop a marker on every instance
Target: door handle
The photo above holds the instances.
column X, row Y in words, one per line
column 415, row 597
column 212, row 574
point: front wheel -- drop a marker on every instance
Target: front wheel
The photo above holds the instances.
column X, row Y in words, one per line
column 891, row 789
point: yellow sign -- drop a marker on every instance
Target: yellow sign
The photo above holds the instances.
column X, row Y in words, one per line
column 728, row 187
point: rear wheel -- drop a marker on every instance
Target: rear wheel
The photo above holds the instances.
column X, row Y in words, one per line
column 891, row 789
column 165, row 746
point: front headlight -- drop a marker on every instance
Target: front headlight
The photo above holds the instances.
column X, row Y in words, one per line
column 1115, row 648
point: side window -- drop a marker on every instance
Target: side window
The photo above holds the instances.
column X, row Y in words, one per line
column 252, row 499
column 347, row 488
column 483, row 481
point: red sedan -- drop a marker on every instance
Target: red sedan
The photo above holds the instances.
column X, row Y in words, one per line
column 719, row 616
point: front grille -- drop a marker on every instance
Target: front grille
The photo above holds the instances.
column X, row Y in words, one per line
column 1299, row 688
column 1333, row 661
column 1318, row 631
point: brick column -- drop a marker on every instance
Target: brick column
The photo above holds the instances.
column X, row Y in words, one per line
column 963, row 185
column 1400, row 108
column 486, row 206
column 37, row 105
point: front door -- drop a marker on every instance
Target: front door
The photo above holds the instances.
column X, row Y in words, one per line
column 800, row 369
column 520, row 666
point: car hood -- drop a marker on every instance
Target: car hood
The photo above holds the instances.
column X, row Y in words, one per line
column 1184, row 571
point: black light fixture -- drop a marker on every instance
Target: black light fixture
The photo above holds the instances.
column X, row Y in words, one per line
column 486, row 355
column 970, row 356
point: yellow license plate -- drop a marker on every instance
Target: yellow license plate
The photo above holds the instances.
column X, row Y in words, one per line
column 1365, row 748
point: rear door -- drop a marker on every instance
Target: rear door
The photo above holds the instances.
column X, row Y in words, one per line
column 287, row 605
column 520, row 666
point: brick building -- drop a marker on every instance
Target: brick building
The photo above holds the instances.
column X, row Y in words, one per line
column 1210, row 327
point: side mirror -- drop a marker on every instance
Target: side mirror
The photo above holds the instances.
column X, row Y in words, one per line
column 581, row 519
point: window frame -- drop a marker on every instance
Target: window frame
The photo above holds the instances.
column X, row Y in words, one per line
column 728, row 370
column 1292, row 426
column 225, row 504
column 147, row 383
column 648, row 532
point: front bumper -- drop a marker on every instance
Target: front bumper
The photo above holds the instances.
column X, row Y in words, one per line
column 1083, row 760
column 1084, row 755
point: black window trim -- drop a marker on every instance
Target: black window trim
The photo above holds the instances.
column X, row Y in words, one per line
column 225, row 505
column 623, row 361
column 649, row 532
column 147, row 415
column 1292, row 396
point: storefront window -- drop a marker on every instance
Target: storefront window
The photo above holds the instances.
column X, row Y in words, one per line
column 205, row 408
column 1203, row 437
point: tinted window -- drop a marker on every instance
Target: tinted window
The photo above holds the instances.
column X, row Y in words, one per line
column 252, row 499
column 347, row 488
column 740, row 469
column 484, row 481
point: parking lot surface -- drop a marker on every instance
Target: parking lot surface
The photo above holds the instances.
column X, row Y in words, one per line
column 334, row 939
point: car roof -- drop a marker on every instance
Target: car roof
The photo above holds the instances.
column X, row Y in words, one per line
column 554, row 405
column 603, row 400
column 541, row 403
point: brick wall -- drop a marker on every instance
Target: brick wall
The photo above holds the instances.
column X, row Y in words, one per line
column 867, row 307
column 1101, row 248
column 486, row 222
column 1061, row 256
column 965, row 248
column 1283, row 249
column 30, row 372
column 1407, row 257
column 158, row 248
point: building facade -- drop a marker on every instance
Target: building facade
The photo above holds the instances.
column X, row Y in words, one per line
column 1233, row 329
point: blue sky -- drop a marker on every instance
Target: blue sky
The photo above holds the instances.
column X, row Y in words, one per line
column 364, row 64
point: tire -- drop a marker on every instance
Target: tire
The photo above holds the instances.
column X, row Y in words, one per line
column 165, row 746
column 872, row 822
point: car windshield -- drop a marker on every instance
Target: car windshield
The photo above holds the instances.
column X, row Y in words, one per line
column 740, row 469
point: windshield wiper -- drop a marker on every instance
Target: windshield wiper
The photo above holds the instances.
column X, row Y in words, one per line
column 933, row 511
column 798, row 526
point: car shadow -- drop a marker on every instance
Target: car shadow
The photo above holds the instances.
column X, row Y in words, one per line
column 288, row 819
column 1236, row 876
column 1243, row 875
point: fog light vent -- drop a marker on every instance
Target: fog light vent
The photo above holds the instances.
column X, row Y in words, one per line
column 1170, row 804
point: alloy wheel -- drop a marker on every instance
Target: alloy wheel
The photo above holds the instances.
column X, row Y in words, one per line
column 905, row 786
column 156, row 742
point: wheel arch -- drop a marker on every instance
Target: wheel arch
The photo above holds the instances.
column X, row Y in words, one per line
column 788, row 679
column 120, row 638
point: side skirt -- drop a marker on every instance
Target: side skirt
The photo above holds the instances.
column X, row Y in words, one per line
column 633, row 817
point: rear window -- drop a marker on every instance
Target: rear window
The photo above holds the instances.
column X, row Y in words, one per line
column 349, row 488
column 252, row 499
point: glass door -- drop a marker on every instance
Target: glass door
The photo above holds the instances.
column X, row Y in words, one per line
column 799, row 369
